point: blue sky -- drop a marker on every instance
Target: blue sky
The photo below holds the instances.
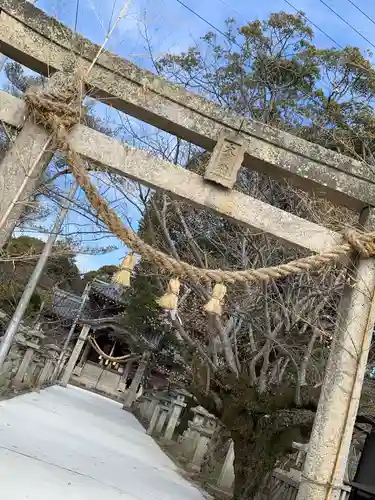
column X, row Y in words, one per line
column 171, row 27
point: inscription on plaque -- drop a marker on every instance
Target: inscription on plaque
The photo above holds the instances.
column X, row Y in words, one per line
column 225, row 161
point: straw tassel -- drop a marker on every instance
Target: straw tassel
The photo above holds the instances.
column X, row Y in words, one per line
column 122, row 276
column 170, row 299
column 215, row 304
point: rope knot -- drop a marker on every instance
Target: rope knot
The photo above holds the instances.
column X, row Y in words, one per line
column 362, row 244
column 57, row 110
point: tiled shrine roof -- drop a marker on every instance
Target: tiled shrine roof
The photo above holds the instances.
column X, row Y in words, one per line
column 66, row 305
column 111, row 291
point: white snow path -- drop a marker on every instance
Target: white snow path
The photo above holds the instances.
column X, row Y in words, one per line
column 70, row 444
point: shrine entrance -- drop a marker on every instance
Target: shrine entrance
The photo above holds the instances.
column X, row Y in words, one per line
column 52, row 117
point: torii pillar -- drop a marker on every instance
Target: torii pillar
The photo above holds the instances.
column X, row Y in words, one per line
column 329, row 445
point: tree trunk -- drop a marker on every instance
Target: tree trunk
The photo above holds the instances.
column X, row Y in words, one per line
column 263, row 429
column 255, row 457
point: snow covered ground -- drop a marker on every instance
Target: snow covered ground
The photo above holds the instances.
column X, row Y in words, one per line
column 75, row 445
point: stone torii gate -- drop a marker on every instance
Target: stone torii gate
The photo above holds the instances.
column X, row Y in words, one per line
column 43, row 44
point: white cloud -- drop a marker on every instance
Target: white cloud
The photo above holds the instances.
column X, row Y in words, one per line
column 85, row 263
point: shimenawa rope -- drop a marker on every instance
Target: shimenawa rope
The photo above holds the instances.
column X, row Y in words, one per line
column 59, row 111
column 113, row 359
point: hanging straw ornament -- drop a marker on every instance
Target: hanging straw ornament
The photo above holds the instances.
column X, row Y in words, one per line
column 170, row 299
column 215, row 304
column 122, row 276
